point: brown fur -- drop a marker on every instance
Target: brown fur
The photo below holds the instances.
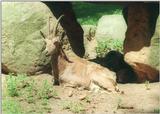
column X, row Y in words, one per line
column 77, row 72
column 146, row 72
column 81, row 72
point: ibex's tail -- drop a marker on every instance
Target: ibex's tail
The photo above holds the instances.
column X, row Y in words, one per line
column 55, row 30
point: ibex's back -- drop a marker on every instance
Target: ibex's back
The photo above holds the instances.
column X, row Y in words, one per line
column 87, row 74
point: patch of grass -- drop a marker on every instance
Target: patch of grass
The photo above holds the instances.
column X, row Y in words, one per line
column 47, row 91
column 110, row 44
column 88, row 99
column 119, row 101
column 11, row 107
column 90, row 13
column 26, row 90
column 30, row 92
column 157, row 110
column 44, row 102
column 147, row 85
column 75, row 107
column 13, row 84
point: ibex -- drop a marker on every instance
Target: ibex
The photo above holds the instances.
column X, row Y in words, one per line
column 75, row 71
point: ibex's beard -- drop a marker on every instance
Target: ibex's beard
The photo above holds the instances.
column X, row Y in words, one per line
column 47, row 54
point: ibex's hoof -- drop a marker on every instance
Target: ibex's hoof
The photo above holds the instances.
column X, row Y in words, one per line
column 56, row 82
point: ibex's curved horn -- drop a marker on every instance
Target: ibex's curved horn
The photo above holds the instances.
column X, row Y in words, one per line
column 43, row 35
column 49, row 25
column 55, row 30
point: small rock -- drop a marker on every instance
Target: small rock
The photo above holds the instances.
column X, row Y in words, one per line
column 70, row 93
column 82, row 97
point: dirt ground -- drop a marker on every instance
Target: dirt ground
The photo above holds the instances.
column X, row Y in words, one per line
column 135, row 98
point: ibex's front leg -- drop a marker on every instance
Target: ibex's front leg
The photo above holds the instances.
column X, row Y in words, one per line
column 55, row 74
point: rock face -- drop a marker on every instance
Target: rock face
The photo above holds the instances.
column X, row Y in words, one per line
column 70, row 25
column 146, row 61
column 111, row 26
column 90, row 43
column 22, row 44
column 114, row 61
column 141, row 25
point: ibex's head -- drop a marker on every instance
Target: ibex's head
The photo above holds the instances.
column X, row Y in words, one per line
column 52, row 40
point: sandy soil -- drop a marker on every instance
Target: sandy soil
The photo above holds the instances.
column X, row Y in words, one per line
column 135, row 98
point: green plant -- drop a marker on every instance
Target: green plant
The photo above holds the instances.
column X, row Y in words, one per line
column 157, row 110
column 75, row 107
column 11, row 107
column 87, row 99
column 147, row 85
column 31, row 92
column 12, row 86
column 45, row 102
column 15, row 83
column 47, row 91
column 110, row 44
column 47, row 108
column 28, row 90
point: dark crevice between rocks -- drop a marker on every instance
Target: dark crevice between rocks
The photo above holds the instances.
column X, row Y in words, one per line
column 114, row 61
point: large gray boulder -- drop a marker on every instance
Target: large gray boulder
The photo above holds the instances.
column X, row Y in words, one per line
column 22, row 44
column 111, row 26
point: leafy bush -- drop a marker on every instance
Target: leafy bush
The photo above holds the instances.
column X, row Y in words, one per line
column 110, row 44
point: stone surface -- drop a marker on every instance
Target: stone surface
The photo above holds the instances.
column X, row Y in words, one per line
column 146, row 61
column 111, row 26
column 22, row 44
column 141, row 26
column 70, row 25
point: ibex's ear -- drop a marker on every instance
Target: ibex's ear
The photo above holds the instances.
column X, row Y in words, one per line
column 44, row 36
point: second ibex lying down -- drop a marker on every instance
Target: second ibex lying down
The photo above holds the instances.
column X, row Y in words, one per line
column 75, row 71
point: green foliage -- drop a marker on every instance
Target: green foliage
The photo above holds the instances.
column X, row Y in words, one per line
column 13, row 84
column 47, row 91
column 157, row 110
column 87, row 99
column 89, row 13
column 44, row 102
column 11, row 107
column 75, row 107
column 147, row 85
column 110, row 44
column 29, row 91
